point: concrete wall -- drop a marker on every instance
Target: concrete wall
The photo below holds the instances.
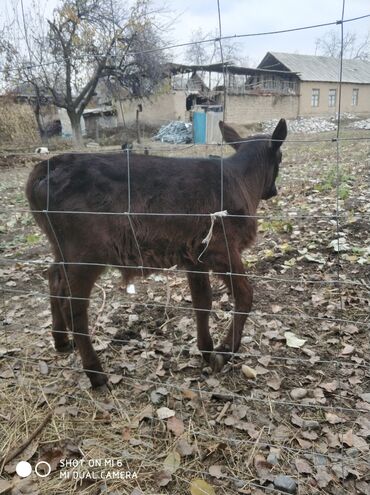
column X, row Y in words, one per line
column 363, row 107
column 248, row 108
column 156, row 110
column 94, row 123
column 245, row 109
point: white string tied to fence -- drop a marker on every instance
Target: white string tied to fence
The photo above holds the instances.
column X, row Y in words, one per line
column 208, row 237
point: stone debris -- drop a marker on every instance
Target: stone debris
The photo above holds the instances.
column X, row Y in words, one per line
column 360, row 124
column 285, row 484
column 92, row 144
column 306, row 125
column 175, row 132
column 310, row 125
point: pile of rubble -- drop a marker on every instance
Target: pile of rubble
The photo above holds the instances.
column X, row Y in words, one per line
column 360, row 124
column 310, row 125
column 176, row 132
column 306, row 125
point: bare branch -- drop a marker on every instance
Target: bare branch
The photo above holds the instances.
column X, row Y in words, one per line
column 85, row 42
column 330, row 45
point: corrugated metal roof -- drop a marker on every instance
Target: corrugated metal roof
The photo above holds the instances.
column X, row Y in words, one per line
column 316, row 68
column 99, row 111
column 220, row 67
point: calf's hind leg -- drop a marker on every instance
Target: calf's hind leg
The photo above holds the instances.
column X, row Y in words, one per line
column 81, row 280
column 59, row 327
column 201, row 294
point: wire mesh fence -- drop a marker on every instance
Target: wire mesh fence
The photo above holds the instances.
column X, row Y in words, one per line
column 288, row 413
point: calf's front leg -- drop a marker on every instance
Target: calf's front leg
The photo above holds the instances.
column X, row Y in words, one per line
column 242, row 292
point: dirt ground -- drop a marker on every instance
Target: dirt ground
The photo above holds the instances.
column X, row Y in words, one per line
column 297, row 420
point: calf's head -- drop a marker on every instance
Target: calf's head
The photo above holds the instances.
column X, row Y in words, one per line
column 267, row 150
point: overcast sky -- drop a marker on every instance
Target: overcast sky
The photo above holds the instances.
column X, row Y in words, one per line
column 250, row 16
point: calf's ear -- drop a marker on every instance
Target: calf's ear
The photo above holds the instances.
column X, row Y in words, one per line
column 279, row 135
column 230, row 136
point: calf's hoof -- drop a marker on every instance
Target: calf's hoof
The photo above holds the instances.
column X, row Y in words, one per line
column 104, row 389
column 65, row 348
column 216, row 362
column 99, row 380
column 219, row 358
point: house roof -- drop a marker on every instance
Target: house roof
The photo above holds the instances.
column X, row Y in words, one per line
column 219, row 67
column 317, row 68
column 103, row 110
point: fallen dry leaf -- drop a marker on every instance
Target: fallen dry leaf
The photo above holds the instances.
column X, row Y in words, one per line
column 26, row 454
column 364, row 423
column 264, row 360
column 163, row 478
column 201, row 487
column 333, row 419
column 330, row 386
column 298, row 393
column 275, row 308
column 175, row 425
column 240, row 411
column 304, row 444
column 347, row 438
column 332, row 439
column 53, row 457
column 322, row 477
column 216, row 471
column 249, row 372
column 230, row 421
column 347, row 349
column 184, row 448
column 136, row 491
column 172, row 462
column 293, row 341
column 307, row 424
column 43, row 367
column 24, row 486
column 263, row 468
column 302, row 466
column 309, row 435
column 8, row 373
column 189, row 394
column 260, row 370
column 360, row 443
column 5, row 486
column 165, row 412
column 274, row 382
column 365, row 397
column 126, row 434
column 147, row 412
column 114, row 379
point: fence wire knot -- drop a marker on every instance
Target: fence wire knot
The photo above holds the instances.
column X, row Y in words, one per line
column 208, row 237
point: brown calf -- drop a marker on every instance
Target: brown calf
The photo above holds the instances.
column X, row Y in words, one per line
column 153, row 212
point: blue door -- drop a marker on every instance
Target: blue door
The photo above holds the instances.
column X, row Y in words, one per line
column 199, row 127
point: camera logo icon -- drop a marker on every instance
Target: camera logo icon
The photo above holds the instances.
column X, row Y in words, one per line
column 24, row 469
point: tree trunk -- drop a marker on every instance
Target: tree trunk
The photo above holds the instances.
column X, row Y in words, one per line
column 138, row 126
column 75, row 120
column 42, row 131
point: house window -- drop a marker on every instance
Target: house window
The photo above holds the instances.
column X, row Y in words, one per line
column 354, row 97
column 332, row 97
column 315, row 98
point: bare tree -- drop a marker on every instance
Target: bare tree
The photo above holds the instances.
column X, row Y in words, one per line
column 201, row 52
column 330, row 45
column 84, row 42
column 197, row 52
